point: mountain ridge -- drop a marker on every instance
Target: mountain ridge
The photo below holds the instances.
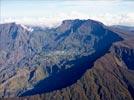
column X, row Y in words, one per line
column 46, row 52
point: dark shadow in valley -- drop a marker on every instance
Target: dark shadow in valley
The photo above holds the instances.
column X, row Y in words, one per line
column 126, row 55
column 130, row 86
column 128, row 58
column 79, row 66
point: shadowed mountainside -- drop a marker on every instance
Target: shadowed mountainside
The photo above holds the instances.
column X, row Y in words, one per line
column 78, row 58
column 108, row 79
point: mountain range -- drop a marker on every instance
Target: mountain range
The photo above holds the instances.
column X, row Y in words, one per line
column 78, row 60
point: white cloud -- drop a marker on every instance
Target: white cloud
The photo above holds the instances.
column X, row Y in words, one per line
column 107, row 18
column 121, row 19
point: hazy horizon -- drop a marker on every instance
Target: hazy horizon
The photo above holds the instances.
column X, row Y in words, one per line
column 116, row 12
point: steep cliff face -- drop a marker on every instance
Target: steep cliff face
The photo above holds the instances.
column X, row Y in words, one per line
column 15, row 54
column 77, row 60
column 125, row 54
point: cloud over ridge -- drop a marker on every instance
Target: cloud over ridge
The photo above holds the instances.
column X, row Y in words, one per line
column 51, row 13
column 107, row 18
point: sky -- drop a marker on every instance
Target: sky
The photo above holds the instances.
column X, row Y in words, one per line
column 52, row 12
